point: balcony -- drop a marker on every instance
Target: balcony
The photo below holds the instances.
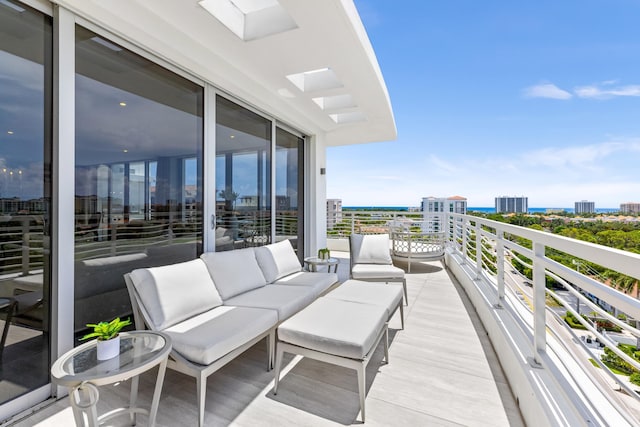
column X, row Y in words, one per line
column 443, row 368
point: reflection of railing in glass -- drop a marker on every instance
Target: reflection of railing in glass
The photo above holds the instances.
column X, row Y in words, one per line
column 21, row 244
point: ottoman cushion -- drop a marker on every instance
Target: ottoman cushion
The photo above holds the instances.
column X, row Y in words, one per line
column 388, row 296
column 342, row 328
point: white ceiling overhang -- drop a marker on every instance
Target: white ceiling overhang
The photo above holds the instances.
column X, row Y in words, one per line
column 308, row 63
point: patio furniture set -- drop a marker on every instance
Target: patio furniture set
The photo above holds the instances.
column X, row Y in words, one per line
column 213, row 308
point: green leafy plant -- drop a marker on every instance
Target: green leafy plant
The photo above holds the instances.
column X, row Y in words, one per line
column 106, row 330
column 324, row 253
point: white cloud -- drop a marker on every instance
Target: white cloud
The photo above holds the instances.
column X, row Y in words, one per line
column 546, row 90
column 595, row 91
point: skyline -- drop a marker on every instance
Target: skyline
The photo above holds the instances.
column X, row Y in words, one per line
column 495, row 99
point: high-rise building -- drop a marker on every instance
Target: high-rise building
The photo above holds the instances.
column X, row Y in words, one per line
column 514, row 204
column 584, row 206
column 334, row 212
column 630, row 207
column 434, row 210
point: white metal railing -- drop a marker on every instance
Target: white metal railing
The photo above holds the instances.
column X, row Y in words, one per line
column 485, row 246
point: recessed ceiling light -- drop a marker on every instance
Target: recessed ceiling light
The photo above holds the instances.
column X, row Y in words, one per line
column 232, row 136
column 123, row 104
column 125, row 151
column 10, row 132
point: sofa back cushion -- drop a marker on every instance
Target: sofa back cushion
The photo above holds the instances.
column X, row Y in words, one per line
column 173, row 293
column 277, row 260
column 234, row 272
column 370, row 249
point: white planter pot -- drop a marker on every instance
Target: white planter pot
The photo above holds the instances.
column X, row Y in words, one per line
column 109, row 349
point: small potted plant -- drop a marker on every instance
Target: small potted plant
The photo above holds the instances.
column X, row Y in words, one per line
column 107, row 334
column 324, row 253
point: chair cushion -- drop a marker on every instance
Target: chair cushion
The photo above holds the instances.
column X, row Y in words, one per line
column 286, row 300
column 343, row 328
column 320, row 282
column 234, row 272
column 376, row 271
column 277, row 260
column 207, row 337
column 173, row 293
column 370, row 249
column 388, row 296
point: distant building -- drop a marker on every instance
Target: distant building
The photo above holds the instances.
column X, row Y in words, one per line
column 334, row 212
column 434, row 210
column 515, row 204
column 584, row 206
column 630, row 207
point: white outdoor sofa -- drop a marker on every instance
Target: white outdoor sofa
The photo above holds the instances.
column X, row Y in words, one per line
column 216, row 307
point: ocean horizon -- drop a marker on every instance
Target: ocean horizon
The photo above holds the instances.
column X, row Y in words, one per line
column 470, row 209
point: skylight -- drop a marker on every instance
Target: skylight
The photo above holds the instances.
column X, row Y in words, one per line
column 352, row 117
column 250, row 19
column 335, row 102
column 321, row 79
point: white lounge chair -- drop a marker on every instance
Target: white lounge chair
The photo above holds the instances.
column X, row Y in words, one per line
column 370, row 258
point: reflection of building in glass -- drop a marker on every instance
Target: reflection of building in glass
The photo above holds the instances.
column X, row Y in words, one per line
column 512, row 204
column 334, row 212
column 584, row 206
column 16, row 205
column 434, row 210
column 630, row 207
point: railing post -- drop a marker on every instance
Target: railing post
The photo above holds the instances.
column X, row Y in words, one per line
column 500, row 260
column 539, row 293
column 353, row 222
column 463, row 230
column 478, row 250
column 25, row 246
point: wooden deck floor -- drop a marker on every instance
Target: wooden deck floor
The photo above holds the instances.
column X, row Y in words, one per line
column 442, row 372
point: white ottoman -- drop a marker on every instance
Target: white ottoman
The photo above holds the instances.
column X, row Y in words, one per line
column 343, row 333
column 389, row 295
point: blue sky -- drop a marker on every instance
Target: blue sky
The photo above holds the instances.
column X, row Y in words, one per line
column 540, row 99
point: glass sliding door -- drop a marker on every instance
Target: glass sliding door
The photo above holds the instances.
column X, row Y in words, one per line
column 243, row 177
column 139, row 143
column 25, row 198
column 289, row 189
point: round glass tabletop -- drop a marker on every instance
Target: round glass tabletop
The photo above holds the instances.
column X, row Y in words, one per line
column 316, row 260
column 138, row 350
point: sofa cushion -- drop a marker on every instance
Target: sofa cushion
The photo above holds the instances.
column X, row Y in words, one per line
column 234, row 272
column 343, row 328
column 225, row 328
column 173, row 293
column 370, row 249
column 277, row 260
column 320, row 282
column 286, row 300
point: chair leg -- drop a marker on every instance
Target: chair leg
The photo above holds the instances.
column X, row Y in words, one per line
column 362, row 386
column 404, row 285
column 7, row 321
column 279, row 353
column 271, row 348
column 402, row 314
column 201, row 384
column 386, row 342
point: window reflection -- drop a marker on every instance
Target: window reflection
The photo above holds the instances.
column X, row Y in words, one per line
column 139, row 137
column 243, row 177
column 289, row 185
column 25, row 188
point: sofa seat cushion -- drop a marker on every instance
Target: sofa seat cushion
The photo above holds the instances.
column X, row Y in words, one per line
column 207, row 337
column 286, row 300
column 173, row 293
column 370, row 249
column 320, row 282
column 234, row 272
column 342, row 328
column 388, row 296
column 376, row 271
column 277, row 260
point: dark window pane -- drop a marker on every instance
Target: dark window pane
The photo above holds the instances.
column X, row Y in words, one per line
column 289, row 186
column 25, row 190
column 139, row 140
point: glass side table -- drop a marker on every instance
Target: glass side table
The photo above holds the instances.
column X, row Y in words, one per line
column 80, row 370
column 313, row 262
